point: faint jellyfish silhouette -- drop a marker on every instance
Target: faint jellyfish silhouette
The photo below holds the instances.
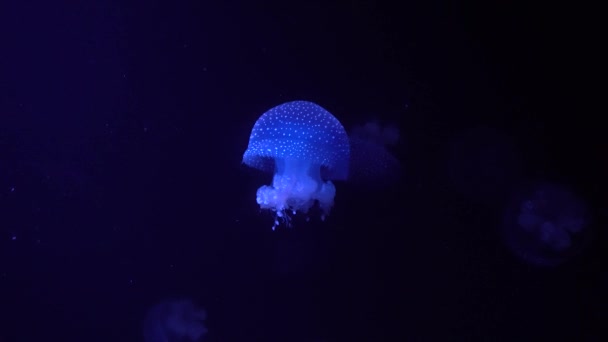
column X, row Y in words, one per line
column 175, row 320
column 546, row 224
column 372, row 164
column 483, row 163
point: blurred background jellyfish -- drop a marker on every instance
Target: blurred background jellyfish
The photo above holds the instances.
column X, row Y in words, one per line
column 483, row 163
column 175, row 320
column 371, row 162
column 372, row 131
column 306, row 147
column 546, row 225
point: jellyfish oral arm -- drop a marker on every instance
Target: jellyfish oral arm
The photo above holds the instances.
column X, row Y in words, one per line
column 296, row 186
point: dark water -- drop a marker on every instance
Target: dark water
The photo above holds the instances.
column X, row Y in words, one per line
column 123, row 125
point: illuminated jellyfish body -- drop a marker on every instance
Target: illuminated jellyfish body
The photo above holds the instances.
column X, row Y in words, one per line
column 546, row 225
column 372, row 165
column 482, row 163
column 175, row 320
column 306, row 147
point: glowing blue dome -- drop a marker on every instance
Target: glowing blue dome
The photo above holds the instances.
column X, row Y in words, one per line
column 305, row 146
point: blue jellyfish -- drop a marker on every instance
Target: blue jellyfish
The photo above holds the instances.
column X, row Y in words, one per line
column 371, row 162
column 174, row 320
column 306, row 147
column 546, row 225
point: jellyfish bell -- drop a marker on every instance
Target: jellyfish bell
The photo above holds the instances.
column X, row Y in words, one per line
column 175, row 320
column 306, row 147
column 186, row 319
column 370, row 131
column 390, row 135
column 372, row 164
column 377, row 133
column 546, row 224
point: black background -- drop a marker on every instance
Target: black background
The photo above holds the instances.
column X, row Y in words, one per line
column 122, row 126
